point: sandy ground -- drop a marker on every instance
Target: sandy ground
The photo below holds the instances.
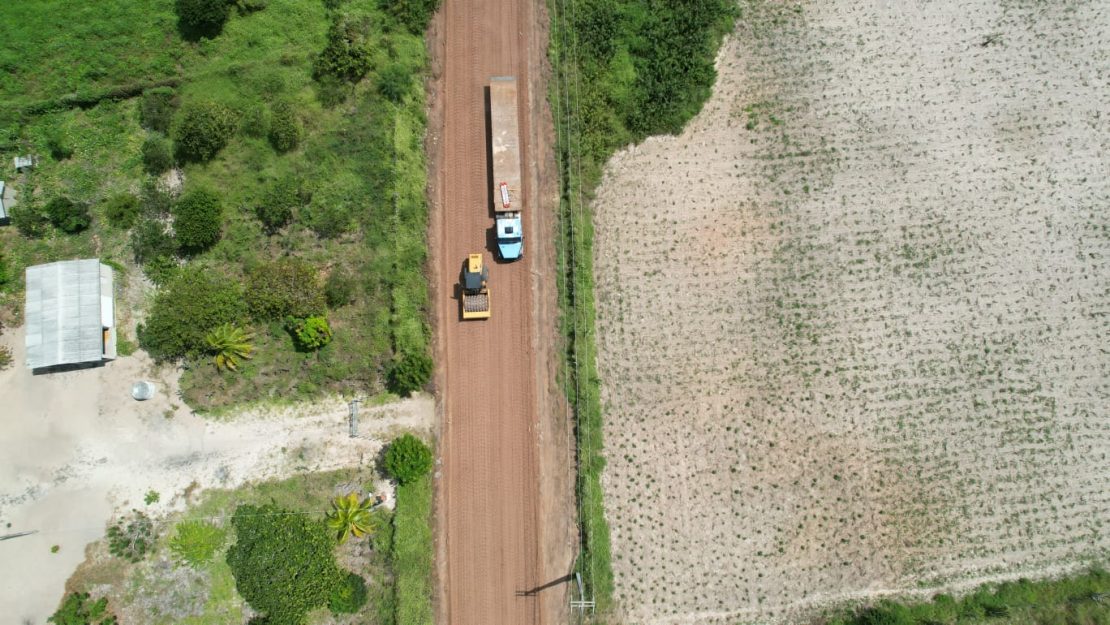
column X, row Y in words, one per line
column 76, row 449
column 852, row 321
column 504, row 494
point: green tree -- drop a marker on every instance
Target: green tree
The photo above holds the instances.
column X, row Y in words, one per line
column 229, row 344
column 131, row 537
column 408, row 459
column 283, row 563
column 285, row 127
column 414, row 15
column 195, row 300
column 203, row 128
column 311, row 333
column 67, row 215
column 30, row 220
column 157, row 155
column 347, row 53
column 349, row 596
column 77, row 609
column 409, row 373
column 275, row 211
column 288, row 287
column 201, row 18
column 198, row 220
column 350, row 516
column 121, row 210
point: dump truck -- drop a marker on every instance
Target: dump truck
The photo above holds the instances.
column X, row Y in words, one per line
column 508, row 200
column 475, row 289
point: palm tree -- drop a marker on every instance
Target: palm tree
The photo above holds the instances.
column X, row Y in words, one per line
column 351, row 517
column 229, row 343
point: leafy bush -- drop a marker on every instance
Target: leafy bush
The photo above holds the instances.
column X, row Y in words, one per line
column 67, row 215
column 285, row 127
column 76, row 609
column 229, row 344
column 132, row 537
column 30, row 220
column 156, row 109
column 349, row 596
column 58, row 143
column 5, row 357
column 327, row 219
column 408, row 459
column 284, row 564
column 409, row 373
column 156, row 199
column 195, row 542
column 151, row 240
column 157, row 155
column 198, row 220
column 196, row 300
column 339, row 289
column 276, row 209
column 203, row 128
column 394, row 81
column 311, row 333
column 414, row 15
column 5, row 278
column 121, row 210
column 287, row 287
column 250, row 6
column 347, row 53
column 201, row 17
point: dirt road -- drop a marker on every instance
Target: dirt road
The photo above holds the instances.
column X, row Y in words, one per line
column 493, row 382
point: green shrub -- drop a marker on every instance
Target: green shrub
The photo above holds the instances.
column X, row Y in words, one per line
column 198, row 18
column 67, row 215
column 121, row 210
column 202, row 129
column 77, row 609
column 30, row 220
column 414, row 15
column 339, row 289
column 408, row 459
column 132, row 537
column 5, row 278
column 394, row 81
column 195, row 542
column 327, row 219
column 196, row 300
column 250, row 6
column 256, row 121
column 285, row 127
column 309, row 334
column 347, row 53
column 157, row 155
column 151, row 240
column 198, row 220
column 275, row 211
column 156, row 109
column 349, row 596
column 409, row 373
column 58, row 143
column 283, row 563
column 161, row 269
column 287, row 287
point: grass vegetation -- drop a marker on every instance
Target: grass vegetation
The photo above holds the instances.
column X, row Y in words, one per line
column 413, row 551
column 302, row 163
column 624, row 70
column 1082, row 599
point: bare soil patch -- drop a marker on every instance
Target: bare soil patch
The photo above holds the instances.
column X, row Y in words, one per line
column 852, row 321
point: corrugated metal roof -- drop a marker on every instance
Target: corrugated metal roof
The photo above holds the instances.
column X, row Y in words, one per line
column 3, row 202
column 65, row 314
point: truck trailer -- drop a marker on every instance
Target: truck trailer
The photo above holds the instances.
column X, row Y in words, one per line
column 508, row 198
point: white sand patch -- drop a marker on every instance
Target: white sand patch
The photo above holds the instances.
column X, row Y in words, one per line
column 75, row 449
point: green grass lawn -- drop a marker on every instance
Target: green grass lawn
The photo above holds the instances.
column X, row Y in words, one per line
column 360, row 164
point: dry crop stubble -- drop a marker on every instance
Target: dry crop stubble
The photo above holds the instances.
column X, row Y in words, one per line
column 851, row 322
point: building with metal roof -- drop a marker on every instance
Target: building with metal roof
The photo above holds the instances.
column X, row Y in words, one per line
column 5, row 202
column 70, row 314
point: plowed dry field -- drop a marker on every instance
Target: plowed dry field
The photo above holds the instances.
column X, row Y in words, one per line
column 853, row 321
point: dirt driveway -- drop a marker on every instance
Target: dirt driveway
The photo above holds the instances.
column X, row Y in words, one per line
column 76, row 449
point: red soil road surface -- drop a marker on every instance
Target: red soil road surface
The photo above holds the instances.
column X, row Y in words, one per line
column 489, row 489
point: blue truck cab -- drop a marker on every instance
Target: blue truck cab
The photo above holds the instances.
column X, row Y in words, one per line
column 510, row 236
